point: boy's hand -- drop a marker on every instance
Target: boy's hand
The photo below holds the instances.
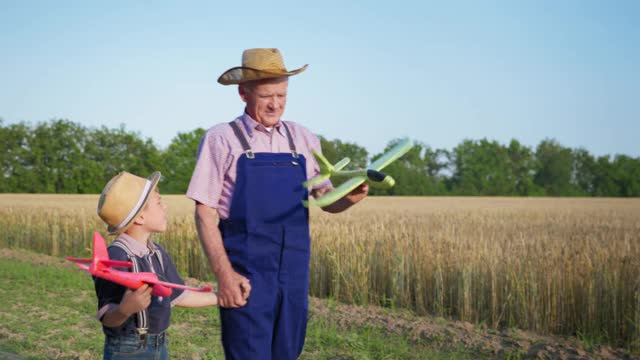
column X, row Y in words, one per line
column 136, row 301
column 233, row 289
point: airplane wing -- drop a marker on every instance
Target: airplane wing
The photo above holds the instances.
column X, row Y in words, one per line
column 325, row 170
column 116, row 263
column 82, row 265
column 335, row 194
column 135, row 280
column 100, row 266
column 129, row 279
column 316, row 180
column 392, row 155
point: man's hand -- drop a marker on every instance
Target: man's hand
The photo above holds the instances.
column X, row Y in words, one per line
column 233, row 289
column 136, row 301
column 356, row 195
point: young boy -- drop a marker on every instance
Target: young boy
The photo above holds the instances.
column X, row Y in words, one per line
column 134, row 322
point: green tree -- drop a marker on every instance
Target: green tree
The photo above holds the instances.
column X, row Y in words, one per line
column 116, row 150
column 522, row 166
column 554, row 169
column 482, row 168
column 603, row 181
column 336, row 150
column 179, row 160
column 625, row 172
column 14, row 148
column 57, row 147
column 606, row 177
column 584, row 172
column 416, row 173
column 64, row 157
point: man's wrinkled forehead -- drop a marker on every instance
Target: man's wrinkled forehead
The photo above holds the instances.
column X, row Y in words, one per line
column 255, row 83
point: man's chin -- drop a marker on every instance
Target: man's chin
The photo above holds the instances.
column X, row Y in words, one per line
column 270, row 121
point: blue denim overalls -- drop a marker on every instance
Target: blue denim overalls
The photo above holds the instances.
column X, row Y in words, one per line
column 267, row 240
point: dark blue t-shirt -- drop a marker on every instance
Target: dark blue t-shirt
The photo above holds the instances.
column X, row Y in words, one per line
column 159, row 311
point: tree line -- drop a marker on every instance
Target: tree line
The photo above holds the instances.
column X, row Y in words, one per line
column 60, row 156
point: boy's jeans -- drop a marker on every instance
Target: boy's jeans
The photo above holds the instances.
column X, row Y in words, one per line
column 131, row 347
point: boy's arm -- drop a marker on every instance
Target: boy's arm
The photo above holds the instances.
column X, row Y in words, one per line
column 132, row 302
column 195, row 299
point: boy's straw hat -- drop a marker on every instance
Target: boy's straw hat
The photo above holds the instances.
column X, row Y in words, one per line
column 122, row 199
column 258, row 64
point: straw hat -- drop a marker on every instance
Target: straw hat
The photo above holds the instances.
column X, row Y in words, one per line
column 122, row 199
column 258, row 64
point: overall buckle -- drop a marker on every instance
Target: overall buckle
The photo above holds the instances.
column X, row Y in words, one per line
column 142, row 335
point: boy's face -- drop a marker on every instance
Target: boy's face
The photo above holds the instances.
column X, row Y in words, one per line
column 155, row 213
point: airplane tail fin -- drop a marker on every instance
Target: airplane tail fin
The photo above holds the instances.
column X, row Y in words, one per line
column 325, row 166
column 100, row 259
column 101, row 256
column 341, row 164
column 326, row 169
column 99, row 247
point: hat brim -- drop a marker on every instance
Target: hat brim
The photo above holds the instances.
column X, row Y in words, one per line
column 154, row 178
column 240, row 74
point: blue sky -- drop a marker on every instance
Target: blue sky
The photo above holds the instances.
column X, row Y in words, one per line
column 439, row 72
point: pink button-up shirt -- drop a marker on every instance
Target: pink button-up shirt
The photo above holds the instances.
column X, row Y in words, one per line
column 214, row 176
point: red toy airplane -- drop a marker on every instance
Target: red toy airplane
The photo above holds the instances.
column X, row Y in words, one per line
column 100, row 265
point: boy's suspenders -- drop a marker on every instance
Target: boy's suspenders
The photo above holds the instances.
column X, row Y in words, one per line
column 142, row 324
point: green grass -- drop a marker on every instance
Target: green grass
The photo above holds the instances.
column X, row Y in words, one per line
column 326, row 341
column 48, row 311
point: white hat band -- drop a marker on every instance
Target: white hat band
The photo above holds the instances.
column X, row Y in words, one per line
column 143, row 195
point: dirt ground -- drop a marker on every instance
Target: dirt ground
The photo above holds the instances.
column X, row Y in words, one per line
column 455, row 335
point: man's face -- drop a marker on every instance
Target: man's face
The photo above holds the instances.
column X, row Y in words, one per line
column 265, row 100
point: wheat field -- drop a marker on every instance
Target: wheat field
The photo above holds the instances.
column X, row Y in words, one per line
column 561, row 266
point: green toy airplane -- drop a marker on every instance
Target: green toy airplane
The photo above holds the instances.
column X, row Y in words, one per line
column 354, row 178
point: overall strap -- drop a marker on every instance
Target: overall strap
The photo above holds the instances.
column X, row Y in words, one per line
column 292, row 146
column 242, row 138
column 158, row 254
column 142, row 323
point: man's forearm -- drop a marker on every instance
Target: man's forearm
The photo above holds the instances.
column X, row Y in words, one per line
column 211, row 239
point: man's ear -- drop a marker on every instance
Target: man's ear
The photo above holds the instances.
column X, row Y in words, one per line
column 243, row 93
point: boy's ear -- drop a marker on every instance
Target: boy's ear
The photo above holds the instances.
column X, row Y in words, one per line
column 139, row 220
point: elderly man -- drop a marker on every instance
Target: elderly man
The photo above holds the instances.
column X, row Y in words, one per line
column 249, row 173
